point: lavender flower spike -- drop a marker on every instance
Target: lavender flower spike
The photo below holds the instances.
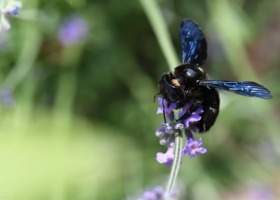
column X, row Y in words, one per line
column 8, row 8
column 193, row 147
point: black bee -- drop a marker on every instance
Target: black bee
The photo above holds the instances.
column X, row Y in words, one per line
column 189, row 80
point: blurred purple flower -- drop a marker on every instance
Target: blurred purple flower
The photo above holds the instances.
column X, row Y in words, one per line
column 6, row 97
column 154, row 194
column 72, row 30
column 193, row 147
column 149, row 195
column 253, row 191
column 8, row 8
column 158, row 193
column 260, row 192
column 166, row 158
column 13, row 11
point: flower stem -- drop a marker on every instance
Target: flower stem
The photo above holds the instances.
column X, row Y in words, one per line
column 176, row 163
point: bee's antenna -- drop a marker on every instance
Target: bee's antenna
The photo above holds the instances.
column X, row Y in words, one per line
column 163, row 108
column 156, row 96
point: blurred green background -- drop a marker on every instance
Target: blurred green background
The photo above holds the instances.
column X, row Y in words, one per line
column 80, row 120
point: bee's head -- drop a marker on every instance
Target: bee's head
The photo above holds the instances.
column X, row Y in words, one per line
column 170, row 88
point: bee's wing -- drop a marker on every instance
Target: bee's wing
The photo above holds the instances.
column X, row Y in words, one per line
column 246, row 88
column 194, row 46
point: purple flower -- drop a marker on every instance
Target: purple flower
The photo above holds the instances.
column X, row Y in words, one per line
column 161, row 130
column 168, row 128
column 166, row 158
column 167, row 107
column 185, row 109
column 194, row 117
column 193, row 147
column 73, row 30
column 166, row 132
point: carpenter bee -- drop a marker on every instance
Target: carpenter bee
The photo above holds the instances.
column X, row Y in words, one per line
column 189, row 80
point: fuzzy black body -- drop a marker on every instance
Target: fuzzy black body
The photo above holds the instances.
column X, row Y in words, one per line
column 211, row 105
column 189, row 81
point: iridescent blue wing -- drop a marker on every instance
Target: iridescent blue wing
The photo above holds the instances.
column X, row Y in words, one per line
column 194, row 46
column 246, row 88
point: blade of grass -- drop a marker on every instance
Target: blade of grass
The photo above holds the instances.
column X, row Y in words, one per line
column 161, row 31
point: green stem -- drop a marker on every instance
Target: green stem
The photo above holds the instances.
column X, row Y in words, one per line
column 67, row 84
column 26, row 58
column 176, row 164
column 161, row 31
column 31, row 41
